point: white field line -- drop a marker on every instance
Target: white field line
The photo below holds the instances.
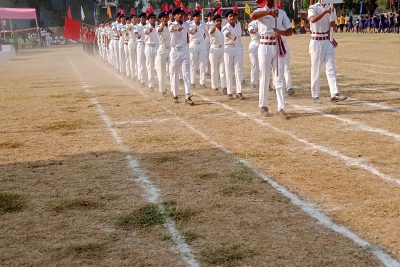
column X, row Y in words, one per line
column 352, row 62
column 143, row 180
column 330, row 151
column 375, row 105
column 307, row 207
column 359, row 125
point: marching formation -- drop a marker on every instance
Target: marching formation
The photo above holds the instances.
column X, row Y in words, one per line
column 178, row 45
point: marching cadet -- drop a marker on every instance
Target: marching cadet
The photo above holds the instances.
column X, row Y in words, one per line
column 253, row 53
column 238, row 27
column 163, row 51
column 131, row 64
column 217, row 54
column 98, row 38
column 179, row 55
column 209, row 25
column 286, row 69
column 125, row 36
column 141, row 57
column 270, row 41
column 115, row 41
column 151, row 43
column 322, row 51
column 232, row 55
column 197, row 48
column 121, row 45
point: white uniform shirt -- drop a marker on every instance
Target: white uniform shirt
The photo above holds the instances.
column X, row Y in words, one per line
column 150, row 36
column 129, row 30
column 179, row 39
column 164, row 37
column 321, row 26
column 266, row 24
column 233, row 32
column 216, row 38
column 114, row 27
column 139, row 29
column 198, row 36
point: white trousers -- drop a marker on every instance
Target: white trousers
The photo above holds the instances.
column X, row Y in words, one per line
column 150, row 52
column 127, row 66
column 198, row 58
column 254, row 68
column 179, row 63
column 132, row 61
column 267, row 59
column 99, row 45
column 161, row 68
column 115, row 50
column 286, row 67
column 322, row 53
column 217, row 67
column 141, row 62
column 241, row 61
column 232, row 69
column 121, row 54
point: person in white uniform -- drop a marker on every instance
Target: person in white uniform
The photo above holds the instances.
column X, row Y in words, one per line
column 271, row 52
column 163, row 51
column 216, row 55
column 121, row 27
column 132, row 61
column 197, row 48
column 114, row 41
column 179, row 55
column 253, row 53
column 151, row 46
column 322, row 50
column 232, row 55
column 141, row 57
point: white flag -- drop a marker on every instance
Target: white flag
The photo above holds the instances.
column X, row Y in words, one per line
column 82, row 14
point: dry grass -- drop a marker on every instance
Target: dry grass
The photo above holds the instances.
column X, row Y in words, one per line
column 72, row 125
column 148, row 215
column 10, row 145
column 76, row 204
column 229, row 255
column 11, row 202
column 83, row 250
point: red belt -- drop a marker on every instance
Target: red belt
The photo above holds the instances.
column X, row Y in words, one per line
column 269, row 43
column 320, row 38
column 265, row 37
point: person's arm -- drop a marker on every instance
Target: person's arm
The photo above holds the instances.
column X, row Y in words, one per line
column 261, row 13
column 161, row 28
column 213, row 30
column 316, row 18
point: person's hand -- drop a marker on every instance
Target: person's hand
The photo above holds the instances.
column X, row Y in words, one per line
column 274, row 12
column 277, row 32
column 328, row 10
column 332, row 24
column 150, row 30
column 180, row 29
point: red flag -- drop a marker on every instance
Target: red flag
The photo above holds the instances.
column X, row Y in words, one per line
column 69, row 13
column 72, row 29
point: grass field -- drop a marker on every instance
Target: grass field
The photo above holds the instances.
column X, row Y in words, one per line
column 96, row 170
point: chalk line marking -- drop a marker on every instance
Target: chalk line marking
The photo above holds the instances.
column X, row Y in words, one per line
column 359, row 163
column 144, row 181
column 359, row 125
column 307, row 207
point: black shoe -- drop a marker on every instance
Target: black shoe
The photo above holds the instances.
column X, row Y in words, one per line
column 175, row 99
column 230, row 96
column 202, row 85
column 164, row 94
column 338, row 98
column 189, row 101
column 291, row 91
column 224, row 91
column 193, row 85
column 240, row 96
column 264, row 111
column 253, row 86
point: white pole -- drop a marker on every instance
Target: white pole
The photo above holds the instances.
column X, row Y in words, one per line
column 11, row 25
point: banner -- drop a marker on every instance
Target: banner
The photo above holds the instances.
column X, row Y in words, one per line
column 72, row 29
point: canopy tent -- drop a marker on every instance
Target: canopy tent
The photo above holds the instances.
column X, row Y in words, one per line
column 18, row 13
